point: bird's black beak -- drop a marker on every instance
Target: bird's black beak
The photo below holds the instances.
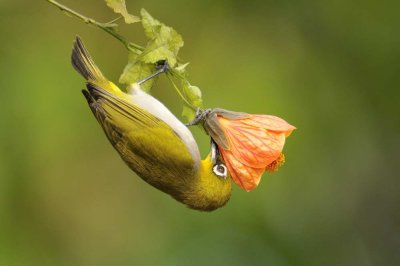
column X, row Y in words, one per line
column 214, row 152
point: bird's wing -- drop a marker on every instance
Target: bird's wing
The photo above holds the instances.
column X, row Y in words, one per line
column 147, row 144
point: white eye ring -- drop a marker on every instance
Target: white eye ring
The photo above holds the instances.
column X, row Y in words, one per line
column 220, row 170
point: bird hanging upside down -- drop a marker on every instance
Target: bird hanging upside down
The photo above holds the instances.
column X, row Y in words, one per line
column 162, row 150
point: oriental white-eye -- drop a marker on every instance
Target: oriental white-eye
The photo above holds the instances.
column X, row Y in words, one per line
column 152, row 141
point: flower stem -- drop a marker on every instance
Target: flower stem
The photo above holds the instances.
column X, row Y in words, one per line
column 180, row 93
column 107, row 27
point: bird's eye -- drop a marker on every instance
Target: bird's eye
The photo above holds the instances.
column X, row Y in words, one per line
column 220, row 170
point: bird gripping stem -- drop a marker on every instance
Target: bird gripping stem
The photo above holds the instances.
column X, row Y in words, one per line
column 162, row 67
column 200, row 116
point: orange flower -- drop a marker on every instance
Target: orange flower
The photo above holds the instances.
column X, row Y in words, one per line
column 249, row 144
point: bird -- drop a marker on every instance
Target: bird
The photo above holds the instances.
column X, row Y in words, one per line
column 155, row 144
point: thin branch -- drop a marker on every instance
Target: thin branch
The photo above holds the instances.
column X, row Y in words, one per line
column 180, row 93
column 107, row 27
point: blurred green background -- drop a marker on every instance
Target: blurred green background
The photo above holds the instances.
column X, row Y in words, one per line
column 331, row 68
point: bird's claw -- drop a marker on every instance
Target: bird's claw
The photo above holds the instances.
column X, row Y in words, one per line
column 200, row 116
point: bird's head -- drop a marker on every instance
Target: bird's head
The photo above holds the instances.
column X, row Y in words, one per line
column 213, row 185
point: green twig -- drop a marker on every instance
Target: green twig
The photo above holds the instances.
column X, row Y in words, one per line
column 107, row 27
column 180, row 94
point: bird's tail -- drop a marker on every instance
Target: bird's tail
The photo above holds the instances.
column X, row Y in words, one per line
column 84, row 64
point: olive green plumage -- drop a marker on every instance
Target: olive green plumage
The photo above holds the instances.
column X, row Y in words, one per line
column 151, row 141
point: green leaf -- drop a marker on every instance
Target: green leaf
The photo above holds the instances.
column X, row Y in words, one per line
column 192, row 94
column 137, row 70
column 164, row 42
column 155, row 52
column 119, row 7
column 181, row 69
column 188, row 113
column 151, row 26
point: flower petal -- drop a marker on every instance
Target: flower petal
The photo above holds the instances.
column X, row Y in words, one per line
column 244, row 176
column 253, row 146
column 270, row 122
